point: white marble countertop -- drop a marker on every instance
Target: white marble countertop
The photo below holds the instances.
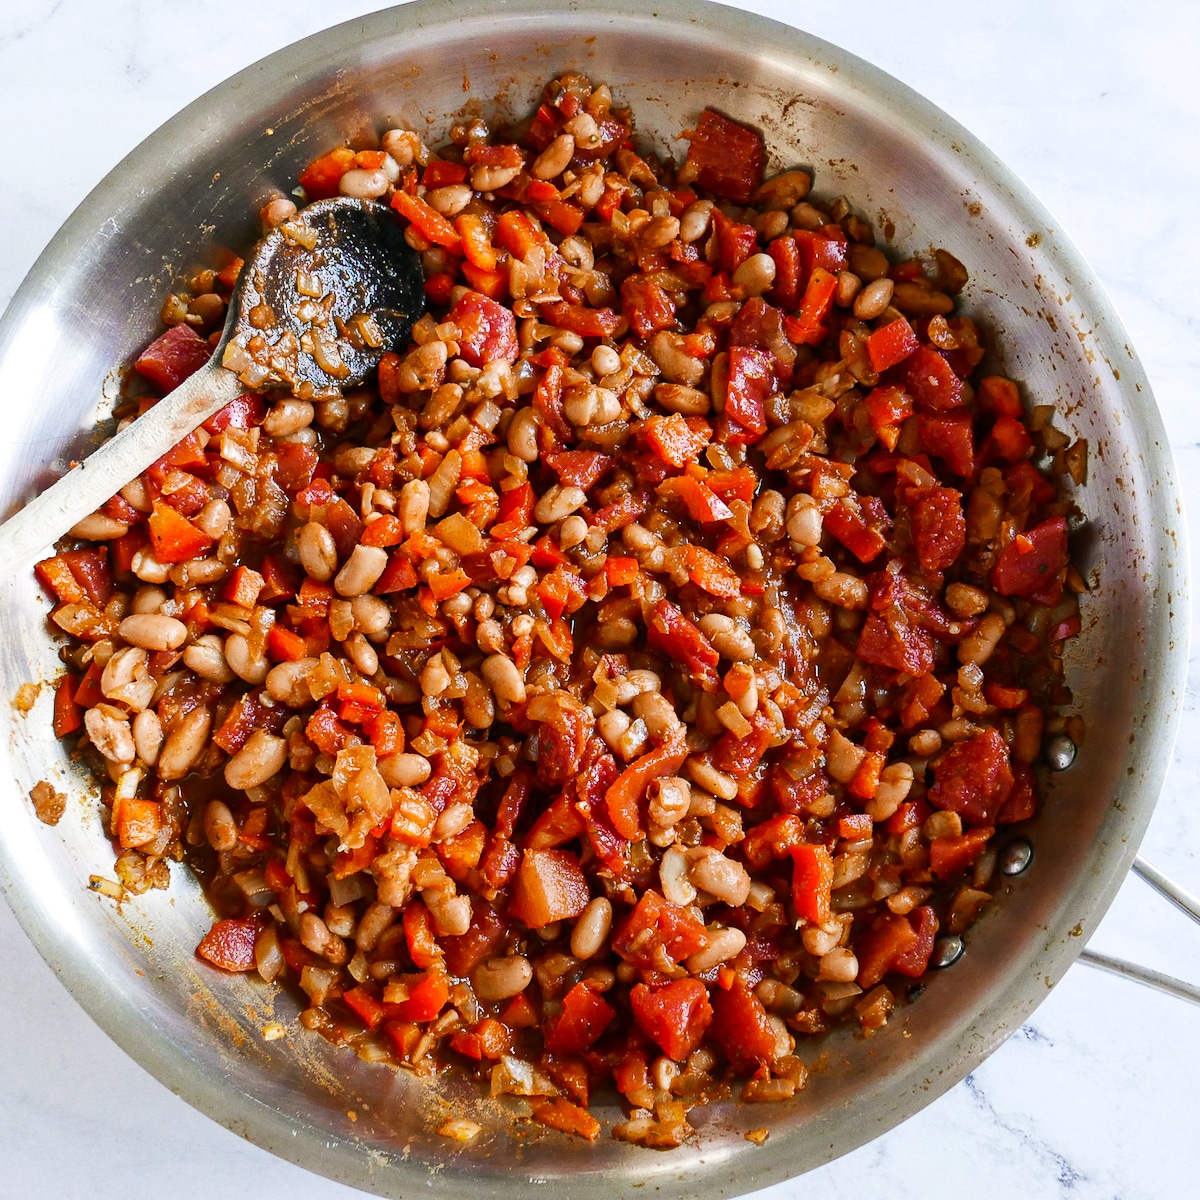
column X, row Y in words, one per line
column 1094, row 104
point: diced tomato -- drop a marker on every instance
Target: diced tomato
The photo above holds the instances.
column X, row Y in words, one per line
column 728, row 157
column 773, row 838
column 914, row 962
column 1022, row 800
column 619, row 572
column 949, row 438
column 1030, row 565
column 1008, row 441
column 735, row 242
column 549, row 887
column 489, row 330
column 647, row 305
column 673, row 931
column 932, row 381
column 890, row 938
column 939, row 529
column 671, row 633
column 574, row 468
column 973, row 778
column 741, row 1027
column 951, row 856
column 173, row 357
column 229, row 944
column 1000, row 396
column 584, row 1018
column 674, row 1015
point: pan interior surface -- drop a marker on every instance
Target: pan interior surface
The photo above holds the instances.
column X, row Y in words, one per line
column 93, row 300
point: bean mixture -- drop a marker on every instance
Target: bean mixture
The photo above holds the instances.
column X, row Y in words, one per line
column 626, row 686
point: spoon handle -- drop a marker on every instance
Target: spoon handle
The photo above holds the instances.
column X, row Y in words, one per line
column 24, row 536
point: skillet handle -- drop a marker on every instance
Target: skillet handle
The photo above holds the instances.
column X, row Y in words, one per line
column 1184, row 901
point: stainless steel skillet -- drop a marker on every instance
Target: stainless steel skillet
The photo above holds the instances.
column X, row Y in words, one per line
column 92, row 300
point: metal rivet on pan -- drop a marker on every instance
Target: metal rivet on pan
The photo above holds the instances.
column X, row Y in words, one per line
column 1060, row 752
column 947, row 951
column 1015, row 857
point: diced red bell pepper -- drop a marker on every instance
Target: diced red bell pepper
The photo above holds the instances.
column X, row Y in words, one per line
column 674, row 1015
column 624, row 798
column 1000, row 396
column 891, row 344
column 89, row 565
column 939, row 529
column 848, row 526
column 173, row 537
column 365, row 1005
column 675, row 440
column 1031, row 563
column 440, row 173
column 243, row 587
column 578, row 318
column 242, row 413
column 728, row 158
column 805, row 327
column 887, row 409
column 427, row 221
column 741, row 1027
column 672, row 634
column 229, row 944
column 427, row 996
column 932, row 381
column 321, row 178
column 620, row 572
column 489, row 330
column 173, row 357
column 711, row 572
column 701, row 502
column 68, row 715
column 825, row 248
column 785, row 291
column 750, row 382
column 973, row 778
column 773, row 838
column 584, row 1018
column 812, row 881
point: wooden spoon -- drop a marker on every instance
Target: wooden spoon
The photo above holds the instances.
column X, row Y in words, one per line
column 318, row 303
